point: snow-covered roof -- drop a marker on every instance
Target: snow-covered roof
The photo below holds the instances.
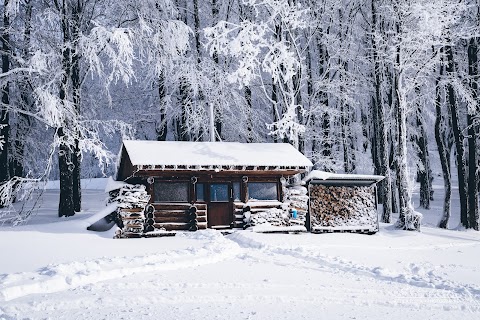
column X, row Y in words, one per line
column 113, row 185
column 323, row 175
column 180, row 153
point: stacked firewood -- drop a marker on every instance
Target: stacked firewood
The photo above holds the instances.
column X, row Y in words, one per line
column 335, row 206
column 292, row 212
column 132, row 207
column 273, row 216
column 296, row 203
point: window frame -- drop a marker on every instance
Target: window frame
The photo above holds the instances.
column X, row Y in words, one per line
column 185, row 182
column 277, row 198
column 205, row 196
column 229, row 191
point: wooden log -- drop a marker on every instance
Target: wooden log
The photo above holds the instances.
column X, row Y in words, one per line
column 149, row 228
column 175, row 219
column 132, row 223
column 172, row 226
column 237, row 224
column 200, row 206
column 170, row 213
column 171, row 206
column 238, row 205
column 201, row 213
column 149, row 209
column 202, row 219
column 131, row 218
column 131, row 235
column 255, row 210
column 264, row 205
column 158, row 234
column 131, row 210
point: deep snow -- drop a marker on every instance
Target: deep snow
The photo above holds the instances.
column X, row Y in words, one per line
column 58, row 270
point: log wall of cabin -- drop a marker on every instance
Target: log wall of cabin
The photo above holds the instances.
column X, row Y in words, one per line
column 177, row 215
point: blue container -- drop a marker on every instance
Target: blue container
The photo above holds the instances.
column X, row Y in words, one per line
column 294, row 213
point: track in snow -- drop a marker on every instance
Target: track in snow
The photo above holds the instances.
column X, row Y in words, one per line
column 239, row 277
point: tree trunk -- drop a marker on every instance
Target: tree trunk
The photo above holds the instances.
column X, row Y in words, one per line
column 424, row 171
column 66, row 206
column 310, row 96
column 459, row 139
column 442, row 151
column 161, row 126
column 345, row 123
column 407, row 219
column 275, row 114
column 216, row 110
column 381, row 135
column 196, row 24
column 24, row 120
column 298, row 101
column 65, row 162
column 473, row 168
column 248, row 98
column 181, row 129
column 186, row 102
column 372, row 127
column 4, row 114
column 76, row 97
column 325, row 139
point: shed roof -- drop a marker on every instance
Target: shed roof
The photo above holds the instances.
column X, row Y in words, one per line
column 322, row 176
column 180, row 153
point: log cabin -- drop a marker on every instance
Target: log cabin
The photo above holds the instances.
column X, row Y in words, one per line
column 342, row 202
column 198, row 185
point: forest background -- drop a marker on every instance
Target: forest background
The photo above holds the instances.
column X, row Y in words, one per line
column 370, row 86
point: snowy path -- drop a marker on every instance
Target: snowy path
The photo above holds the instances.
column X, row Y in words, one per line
column 255, row 276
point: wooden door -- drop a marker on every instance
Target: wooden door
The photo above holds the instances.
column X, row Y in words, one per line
column 220, row 205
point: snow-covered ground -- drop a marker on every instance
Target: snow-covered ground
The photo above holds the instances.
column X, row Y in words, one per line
column 55, row 269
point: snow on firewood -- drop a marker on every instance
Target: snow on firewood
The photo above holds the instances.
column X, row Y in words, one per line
column 130, row 196
column 273, row 216
column 332, row 206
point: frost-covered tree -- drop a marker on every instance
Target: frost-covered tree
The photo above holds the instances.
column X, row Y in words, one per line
column 74, row 40
column 413, row 61
column 268, row 45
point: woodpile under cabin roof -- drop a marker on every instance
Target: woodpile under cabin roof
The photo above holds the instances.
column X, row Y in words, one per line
column 140, row 155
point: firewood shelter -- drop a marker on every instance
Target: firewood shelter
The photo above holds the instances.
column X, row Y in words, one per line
column 342, row 202
column 213, row 180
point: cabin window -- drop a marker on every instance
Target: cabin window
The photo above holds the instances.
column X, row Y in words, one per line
column 262, row 191
column 236, row 191
column 219, row 192
column 200, row 191
column 171, row 191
